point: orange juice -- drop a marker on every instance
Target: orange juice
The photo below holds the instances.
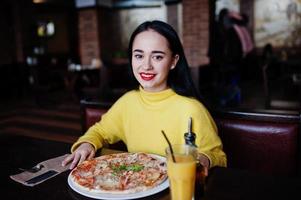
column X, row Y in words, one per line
column 181, row 176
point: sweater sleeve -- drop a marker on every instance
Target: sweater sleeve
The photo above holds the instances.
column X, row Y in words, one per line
column 108, row 130
column 208, row 141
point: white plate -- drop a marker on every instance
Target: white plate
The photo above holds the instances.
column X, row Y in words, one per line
column 108, row 196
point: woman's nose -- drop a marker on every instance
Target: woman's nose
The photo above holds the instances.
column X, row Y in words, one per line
column 147, row 65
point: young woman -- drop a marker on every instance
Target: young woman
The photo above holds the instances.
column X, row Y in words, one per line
column 165, row 99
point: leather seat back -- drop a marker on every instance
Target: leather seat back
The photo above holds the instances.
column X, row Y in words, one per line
column 91, row 113
column 260, row 142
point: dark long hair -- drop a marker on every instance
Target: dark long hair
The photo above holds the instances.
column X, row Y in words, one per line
column 179, row 78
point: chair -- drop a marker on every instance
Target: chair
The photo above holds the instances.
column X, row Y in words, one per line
column 260, row 141
column 91, row 113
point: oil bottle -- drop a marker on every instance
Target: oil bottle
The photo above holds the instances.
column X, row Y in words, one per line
column 190, row 138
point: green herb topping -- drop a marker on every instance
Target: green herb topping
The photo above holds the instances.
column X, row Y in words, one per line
column 134, row 168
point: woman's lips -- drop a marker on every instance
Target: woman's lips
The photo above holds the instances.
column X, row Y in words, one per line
column 147, row 76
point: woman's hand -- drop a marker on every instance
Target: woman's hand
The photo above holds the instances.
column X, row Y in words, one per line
column 83, row 152
column 205, row 162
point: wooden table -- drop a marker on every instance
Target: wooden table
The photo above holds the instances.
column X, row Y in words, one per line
column 222, row 183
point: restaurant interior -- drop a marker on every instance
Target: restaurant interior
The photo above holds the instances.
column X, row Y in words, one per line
column 52, row 48
column 59, row 57
column 55, row 53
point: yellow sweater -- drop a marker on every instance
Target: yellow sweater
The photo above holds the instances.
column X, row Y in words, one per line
column 138, row 117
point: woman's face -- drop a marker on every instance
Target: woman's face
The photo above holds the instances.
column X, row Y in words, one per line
column 152, row 60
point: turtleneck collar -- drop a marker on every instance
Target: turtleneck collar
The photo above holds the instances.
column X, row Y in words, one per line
column 155, row 97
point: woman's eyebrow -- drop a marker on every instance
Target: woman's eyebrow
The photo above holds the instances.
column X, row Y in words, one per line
column 156, row 51
column 138, row 50
column 162, row 52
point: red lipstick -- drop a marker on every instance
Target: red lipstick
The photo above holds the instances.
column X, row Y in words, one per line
column 147, row 76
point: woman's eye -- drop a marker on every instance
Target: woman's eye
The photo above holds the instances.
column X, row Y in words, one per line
column 158, row 57
column 138, row 56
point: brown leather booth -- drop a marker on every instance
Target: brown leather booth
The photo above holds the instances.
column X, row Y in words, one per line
column 91, row 112
column 259, row 141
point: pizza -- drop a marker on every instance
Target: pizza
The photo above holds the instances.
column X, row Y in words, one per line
column 120, row 173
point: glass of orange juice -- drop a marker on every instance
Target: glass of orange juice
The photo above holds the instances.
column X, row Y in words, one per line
column 182, row 172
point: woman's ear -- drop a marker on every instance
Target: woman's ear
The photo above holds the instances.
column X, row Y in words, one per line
column 175, row 61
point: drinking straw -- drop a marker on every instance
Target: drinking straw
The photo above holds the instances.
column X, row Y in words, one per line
column 171, row 151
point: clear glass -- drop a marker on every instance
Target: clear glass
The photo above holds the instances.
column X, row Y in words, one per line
column 182, row 173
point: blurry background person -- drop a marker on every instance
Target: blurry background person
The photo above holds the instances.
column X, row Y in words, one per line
column 232, row 45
